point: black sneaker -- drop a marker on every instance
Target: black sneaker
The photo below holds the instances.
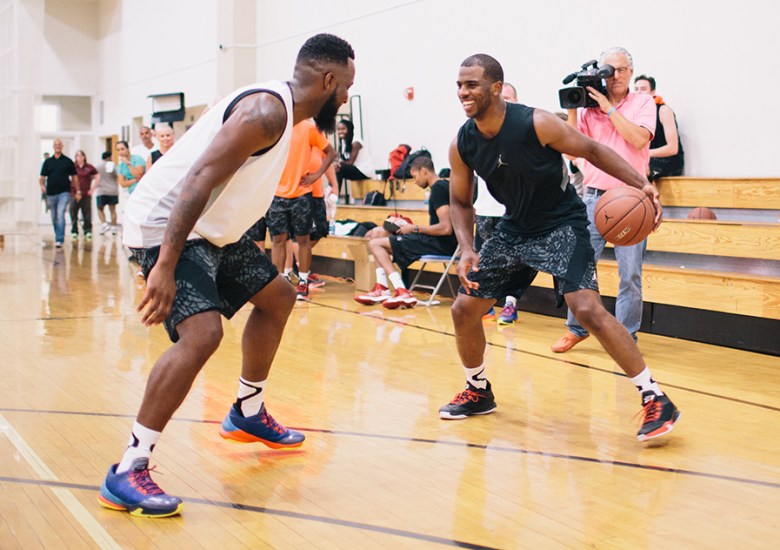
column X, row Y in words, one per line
column 469, row 402
column 660, row 414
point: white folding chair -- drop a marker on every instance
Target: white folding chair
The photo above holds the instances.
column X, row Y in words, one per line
column 447, row 262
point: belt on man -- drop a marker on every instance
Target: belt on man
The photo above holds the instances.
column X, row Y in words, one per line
column 594, row 191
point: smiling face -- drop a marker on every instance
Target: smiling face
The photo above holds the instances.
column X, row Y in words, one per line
column 475, row 92
column 164, row 137
column 81, row 158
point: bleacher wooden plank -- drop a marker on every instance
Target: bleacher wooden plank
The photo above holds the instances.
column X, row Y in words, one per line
column 378, row 214
column 735, row 293
column 749, row 193
column 717, row 238
column 706, row 237
column 401, row 190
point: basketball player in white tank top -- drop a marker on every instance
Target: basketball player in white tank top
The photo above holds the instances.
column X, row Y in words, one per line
column 186, row 224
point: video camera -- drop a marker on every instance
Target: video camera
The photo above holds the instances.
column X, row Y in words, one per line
column 591, row 75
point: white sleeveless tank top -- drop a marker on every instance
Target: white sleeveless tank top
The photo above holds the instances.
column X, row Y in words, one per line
column 234, row 206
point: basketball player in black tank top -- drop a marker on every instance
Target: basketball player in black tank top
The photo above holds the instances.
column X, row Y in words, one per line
column 517, row 151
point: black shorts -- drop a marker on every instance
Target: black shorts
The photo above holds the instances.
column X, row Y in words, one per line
column 106, row 200
column 407, row 249
column 319, row 215
column 291, row 216
column 257, row 231
column 508, row 263
column 212, row 278
column 486, row 225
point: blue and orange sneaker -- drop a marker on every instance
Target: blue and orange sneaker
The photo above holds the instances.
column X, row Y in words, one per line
column 490, row 314
column 508, row 315
column 135, row 492
column 259, row 428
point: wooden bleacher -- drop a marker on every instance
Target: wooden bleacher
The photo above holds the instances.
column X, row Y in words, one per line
column 755, row 193
column 400, row 190
column 709, row 287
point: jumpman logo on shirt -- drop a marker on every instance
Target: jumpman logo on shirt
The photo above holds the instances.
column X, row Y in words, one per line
column 501, row 162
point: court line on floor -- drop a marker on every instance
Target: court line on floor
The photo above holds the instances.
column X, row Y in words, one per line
column 61, row 491
column 64, row 486
column 551, row 358
column 462, row 444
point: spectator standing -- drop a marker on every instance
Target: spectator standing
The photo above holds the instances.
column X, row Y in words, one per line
column 165, row 138
column 130, row 168
column 354, row 161
column 87, row 178
column 106, row 192
column 290, row 213
column 625, row 122
column 56, row 181
column 412, row 241
column 666, row 151
column 147, row 145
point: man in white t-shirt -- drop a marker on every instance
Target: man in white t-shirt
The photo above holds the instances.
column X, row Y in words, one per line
column 186, row 226
column 147, row 145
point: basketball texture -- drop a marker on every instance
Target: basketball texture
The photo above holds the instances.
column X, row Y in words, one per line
column 624, row 216
column 702, row 213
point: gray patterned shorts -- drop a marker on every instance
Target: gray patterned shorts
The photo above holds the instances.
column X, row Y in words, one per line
column 212, row 278
column 508, row 262
column 291, row 216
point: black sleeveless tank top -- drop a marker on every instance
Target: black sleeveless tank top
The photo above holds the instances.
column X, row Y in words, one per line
column 659, row 139
column 529, row 179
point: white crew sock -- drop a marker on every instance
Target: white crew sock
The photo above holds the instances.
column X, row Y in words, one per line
column 644, row 382
column 381, row 276
column 396, row 280
column 303, row 275
column 510, row 301
column 250, row 396
column 141, row 445
column 475, row 378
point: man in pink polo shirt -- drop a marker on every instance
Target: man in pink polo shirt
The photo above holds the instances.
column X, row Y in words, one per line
column 624, row 121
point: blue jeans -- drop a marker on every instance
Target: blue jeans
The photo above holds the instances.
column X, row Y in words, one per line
column 628, row 306
column 58, row 204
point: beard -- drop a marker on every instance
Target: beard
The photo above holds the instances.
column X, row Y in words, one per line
column 326, row 118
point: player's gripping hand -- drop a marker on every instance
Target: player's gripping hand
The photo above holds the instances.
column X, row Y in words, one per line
column 158, row 298
column 469, row 261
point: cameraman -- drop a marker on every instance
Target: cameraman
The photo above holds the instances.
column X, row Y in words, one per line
column 624, row 121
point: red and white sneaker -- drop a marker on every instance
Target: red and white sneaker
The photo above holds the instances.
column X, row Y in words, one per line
column 401, row 299
column 315, row 281
column 376, row 295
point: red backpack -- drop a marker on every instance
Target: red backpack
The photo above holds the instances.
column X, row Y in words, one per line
column 397, row 157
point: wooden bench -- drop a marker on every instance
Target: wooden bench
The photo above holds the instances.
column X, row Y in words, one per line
column 747, row 193
column 400, row 190
column 705, row 237
column 726, row 292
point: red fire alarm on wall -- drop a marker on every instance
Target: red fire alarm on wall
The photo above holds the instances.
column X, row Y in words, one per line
column 409, row 93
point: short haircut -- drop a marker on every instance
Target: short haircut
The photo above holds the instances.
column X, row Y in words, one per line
column 514, row 90
column 106, row 155
column 650, row 79
column 493, row 70
column 422, row 162
column 123, row 142
column 326, row 47
column 617, row 50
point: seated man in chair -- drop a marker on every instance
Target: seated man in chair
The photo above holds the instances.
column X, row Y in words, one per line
column 411, row 242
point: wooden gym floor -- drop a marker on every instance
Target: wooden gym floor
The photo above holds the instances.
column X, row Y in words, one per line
column 557, row 466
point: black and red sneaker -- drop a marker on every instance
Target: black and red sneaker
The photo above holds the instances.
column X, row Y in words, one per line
column 659, row 413
column 469, row 402
column 302, row 290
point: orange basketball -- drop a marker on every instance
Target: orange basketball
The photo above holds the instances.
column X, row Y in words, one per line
column 702, row 213
column 624, row 216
